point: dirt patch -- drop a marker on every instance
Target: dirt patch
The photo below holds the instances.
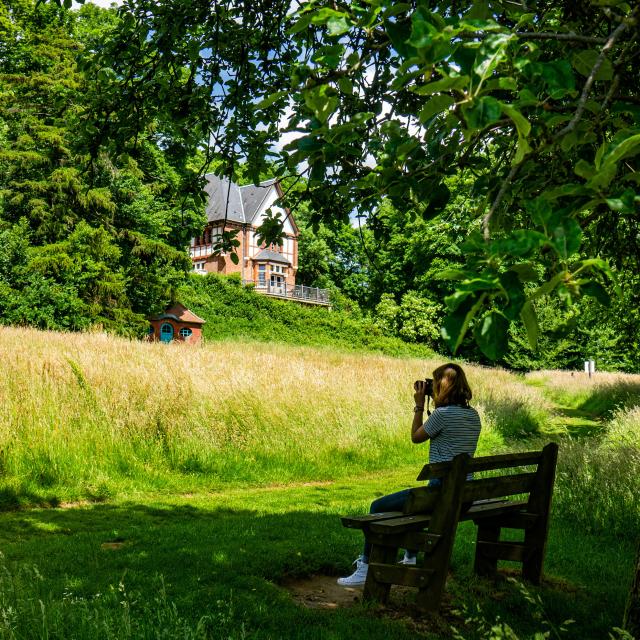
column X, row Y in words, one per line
column 114, row 545
column 322, row 592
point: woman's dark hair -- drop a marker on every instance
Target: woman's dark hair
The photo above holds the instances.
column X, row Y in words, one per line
column 450, row 386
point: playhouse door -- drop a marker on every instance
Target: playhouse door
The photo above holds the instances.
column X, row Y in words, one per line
column 166, row 332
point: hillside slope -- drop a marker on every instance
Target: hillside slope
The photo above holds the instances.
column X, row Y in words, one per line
column 233, row 311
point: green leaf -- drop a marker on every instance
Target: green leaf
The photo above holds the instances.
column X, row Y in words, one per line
column 530, row 321
column 483, row 112
column 584, row 61
column 450, row 83
column 346, row 86
column 566, row 238
column 502, row 84
column 603, row 177
column 540, row 210
column 436, row 105
column 438, row 200
column 624, row 144
column 338, row 25
column 399, row 33
column 321, row 101
column 515, row 292
column 520, row 242
column 597, row 291
column 525, row 271
column 584, row 169
column 456, row 299
column 522, row 124
column 491, row 335
column 549, row 286
column 491, row 52
column 522, row 150
column 455, row 325
column 422, row 31
column 558, row 76
column 302, row 23
column 269, row 100
column 234, row 257
column 450, row 274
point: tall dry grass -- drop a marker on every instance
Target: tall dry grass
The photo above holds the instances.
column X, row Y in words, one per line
column 87, row 414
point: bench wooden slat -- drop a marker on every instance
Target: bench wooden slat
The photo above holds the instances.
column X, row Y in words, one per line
column 404, row 523
column 507, row 520
column 492, row 508
column 498, row 487
column 399, row 574
column 404, row 540
column 514, row 551
column 361, row 522
column 485, row 463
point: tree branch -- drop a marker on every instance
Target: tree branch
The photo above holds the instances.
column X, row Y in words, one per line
column 496, row 203
column 571, row 37
column 617, row 32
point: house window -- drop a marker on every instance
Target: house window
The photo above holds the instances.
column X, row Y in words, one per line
column 199, row 266
column 262, row 274
column 186, row 333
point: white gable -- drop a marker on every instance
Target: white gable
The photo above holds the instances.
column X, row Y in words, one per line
column 268, row 203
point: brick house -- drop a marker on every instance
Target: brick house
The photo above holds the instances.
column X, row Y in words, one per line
column 271, row 268
column 177, row 323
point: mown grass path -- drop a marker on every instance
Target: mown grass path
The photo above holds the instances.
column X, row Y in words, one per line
column 209, row 565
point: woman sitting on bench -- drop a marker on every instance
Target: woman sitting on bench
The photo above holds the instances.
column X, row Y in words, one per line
column 453, row 428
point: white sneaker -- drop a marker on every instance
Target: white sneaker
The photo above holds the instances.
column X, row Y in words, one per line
column 358, row 577
column 408, row 560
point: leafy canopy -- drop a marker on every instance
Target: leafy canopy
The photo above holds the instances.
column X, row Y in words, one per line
column 537, row 102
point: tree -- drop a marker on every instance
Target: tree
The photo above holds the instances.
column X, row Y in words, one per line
column 536, row 101
column 84, row 240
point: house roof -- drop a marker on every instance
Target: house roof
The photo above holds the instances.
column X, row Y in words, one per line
column 180, row 313
column 221, row 191
column 271, row 256
column 243, row 202
column 253, row 196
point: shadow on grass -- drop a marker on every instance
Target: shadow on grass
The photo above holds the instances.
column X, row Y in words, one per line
column 220, row 565
column 607, row 397
column 517, row 419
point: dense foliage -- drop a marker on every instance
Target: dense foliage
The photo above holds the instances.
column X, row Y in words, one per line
column 83, row 240
column 233, row 311
column 536, row 103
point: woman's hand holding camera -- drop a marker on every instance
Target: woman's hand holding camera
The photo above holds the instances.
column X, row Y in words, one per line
column 420, row 390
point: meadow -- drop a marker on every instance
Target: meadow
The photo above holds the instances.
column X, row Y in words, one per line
column 153, row 490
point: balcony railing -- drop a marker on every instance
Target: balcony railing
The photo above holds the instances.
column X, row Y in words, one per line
column 298, row 292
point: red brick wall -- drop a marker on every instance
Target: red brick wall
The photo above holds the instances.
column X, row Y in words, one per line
column 224, row 264
column 194, row 338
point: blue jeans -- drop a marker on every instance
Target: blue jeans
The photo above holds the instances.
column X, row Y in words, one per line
column 393, row 502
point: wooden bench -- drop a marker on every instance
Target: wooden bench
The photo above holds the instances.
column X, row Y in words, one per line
column 432, row 513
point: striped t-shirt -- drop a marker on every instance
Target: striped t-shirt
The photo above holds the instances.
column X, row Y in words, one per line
column 452, row 430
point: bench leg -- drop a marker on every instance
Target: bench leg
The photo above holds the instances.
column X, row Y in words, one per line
column 378, row 591
column 484, row 566
column 534, row 542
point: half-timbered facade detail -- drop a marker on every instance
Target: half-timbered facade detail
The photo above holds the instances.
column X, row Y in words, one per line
column 242, row 208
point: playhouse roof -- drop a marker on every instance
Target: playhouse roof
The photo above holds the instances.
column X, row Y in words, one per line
column 180, row 313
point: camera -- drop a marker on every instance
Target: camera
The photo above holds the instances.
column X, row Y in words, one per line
column 428, row 387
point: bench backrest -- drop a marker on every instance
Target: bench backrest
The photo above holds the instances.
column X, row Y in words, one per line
column 537, row 483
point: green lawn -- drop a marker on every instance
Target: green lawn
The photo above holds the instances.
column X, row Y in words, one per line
column 209, row 565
